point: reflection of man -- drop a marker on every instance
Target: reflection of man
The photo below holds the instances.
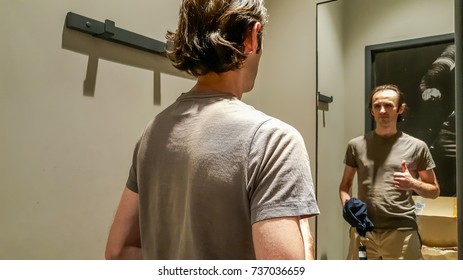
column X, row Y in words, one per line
column 390, row 166
column 438, row 88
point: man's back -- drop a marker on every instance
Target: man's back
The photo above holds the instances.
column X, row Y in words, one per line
column 207, row 168
column 212, row 178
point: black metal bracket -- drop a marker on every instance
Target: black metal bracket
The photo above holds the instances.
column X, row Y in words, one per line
column 110, row 32
column 324, row 98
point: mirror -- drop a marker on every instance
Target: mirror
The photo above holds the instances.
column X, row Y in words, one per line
column 344, row 30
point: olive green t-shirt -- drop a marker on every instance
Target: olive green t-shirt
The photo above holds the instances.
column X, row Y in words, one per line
column 376, row 159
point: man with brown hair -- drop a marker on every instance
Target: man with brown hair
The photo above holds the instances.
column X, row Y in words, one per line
column 212, row 177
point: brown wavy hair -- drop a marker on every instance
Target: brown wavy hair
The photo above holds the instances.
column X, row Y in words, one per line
column 211, row 33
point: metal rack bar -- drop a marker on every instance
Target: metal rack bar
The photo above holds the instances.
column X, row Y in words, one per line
column 108, row 31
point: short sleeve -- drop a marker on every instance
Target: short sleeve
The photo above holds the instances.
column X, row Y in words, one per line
column 281, row 183
column 425, row 162
column 349, row 158
column 132, row 182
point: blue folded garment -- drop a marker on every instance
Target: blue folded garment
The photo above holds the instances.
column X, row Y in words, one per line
column 355, row 213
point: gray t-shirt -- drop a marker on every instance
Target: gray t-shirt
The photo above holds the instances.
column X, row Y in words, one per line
column 207, row 168
column 376, row 159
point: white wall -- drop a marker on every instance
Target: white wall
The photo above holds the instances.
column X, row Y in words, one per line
column 65, row 155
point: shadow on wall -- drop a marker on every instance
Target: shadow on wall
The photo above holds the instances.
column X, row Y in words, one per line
column 96, row 49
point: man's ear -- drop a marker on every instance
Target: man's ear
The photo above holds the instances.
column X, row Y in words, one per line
column 251, row 44
column 402, row 108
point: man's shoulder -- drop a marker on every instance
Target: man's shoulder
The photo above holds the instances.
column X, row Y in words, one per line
column 417, row 143
column 274, row 125
column 263, row 120
column 412, row 139
column 360, row 138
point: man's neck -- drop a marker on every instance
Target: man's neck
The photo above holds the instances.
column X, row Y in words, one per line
column 227, row 82
column 386, row 132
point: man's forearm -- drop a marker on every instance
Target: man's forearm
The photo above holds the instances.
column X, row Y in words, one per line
column 425, row 190
column 126, row 253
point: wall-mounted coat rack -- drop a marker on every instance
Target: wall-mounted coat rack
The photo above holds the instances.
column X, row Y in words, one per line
column 324, row 98
column 110, row 32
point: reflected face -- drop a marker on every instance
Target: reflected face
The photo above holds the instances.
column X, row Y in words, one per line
column 385, row 108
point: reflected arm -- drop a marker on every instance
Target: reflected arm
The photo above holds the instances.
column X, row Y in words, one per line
column 345, row 188
column 428, row 186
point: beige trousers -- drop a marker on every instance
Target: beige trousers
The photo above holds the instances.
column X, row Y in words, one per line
column 386, row 245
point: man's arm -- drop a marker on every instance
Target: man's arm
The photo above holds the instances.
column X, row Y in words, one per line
column 278, row 239
column 345, row 187
column 124, row 236
column 426, row 187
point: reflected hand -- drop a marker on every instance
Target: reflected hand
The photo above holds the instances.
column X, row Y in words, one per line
column 344, row 198
column 404, row 180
